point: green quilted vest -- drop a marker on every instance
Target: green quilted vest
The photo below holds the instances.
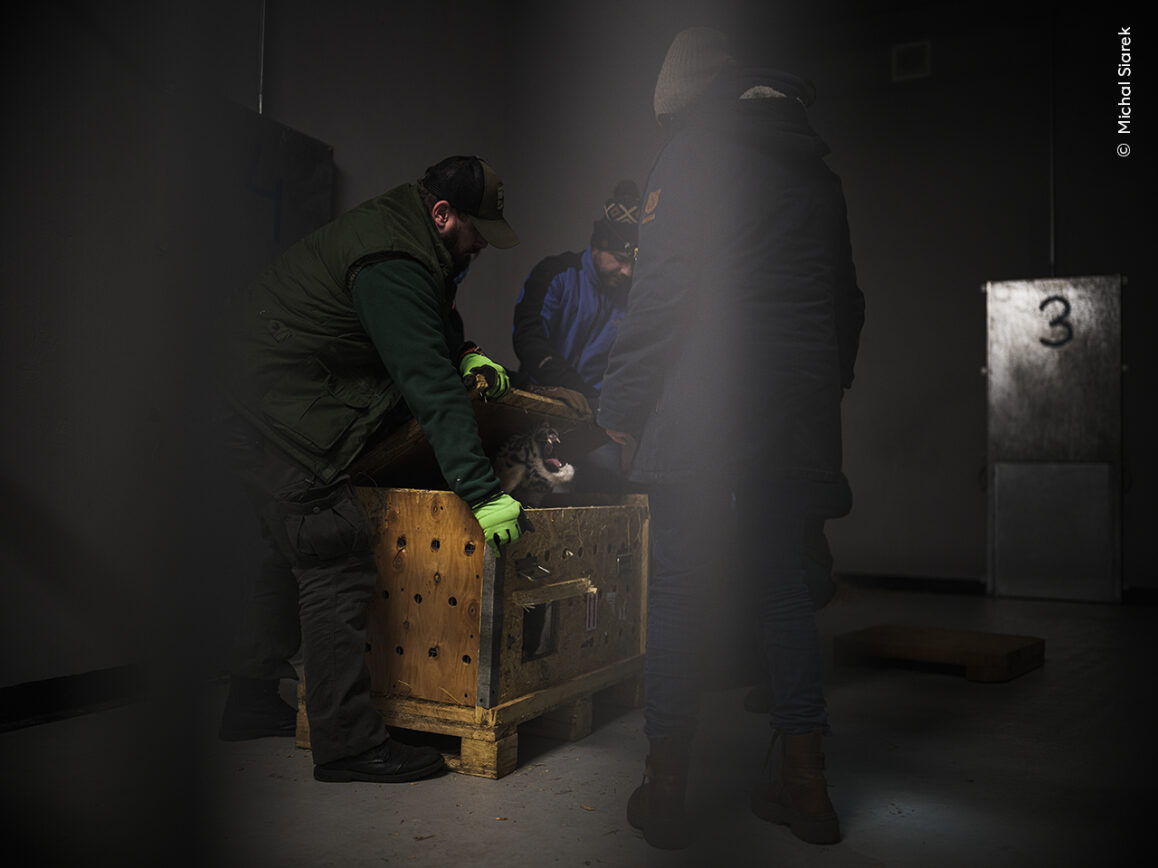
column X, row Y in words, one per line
column 307, row 374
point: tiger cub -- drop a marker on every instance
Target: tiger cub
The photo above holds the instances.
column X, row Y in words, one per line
column 527, row 467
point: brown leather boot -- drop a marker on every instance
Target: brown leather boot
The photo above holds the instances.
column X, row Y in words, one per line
column 657, row 805
column 798, row 796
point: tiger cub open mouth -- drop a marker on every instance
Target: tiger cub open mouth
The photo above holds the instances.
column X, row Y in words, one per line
column 529, row 467
column 547, row 447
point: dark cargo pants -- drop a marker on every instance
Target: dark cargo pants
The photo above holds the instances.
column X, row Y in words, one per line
column 311, row 592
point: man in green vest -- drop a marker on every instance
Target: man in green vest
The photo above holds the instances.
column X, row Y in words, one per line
column 348, row 333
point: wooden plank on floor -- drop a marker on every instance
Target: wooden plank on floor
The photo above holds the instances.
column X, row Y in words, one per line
column 984, row 656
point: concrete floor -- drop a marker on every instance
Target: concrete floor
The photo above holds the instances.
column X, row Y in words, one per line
column 926, row 769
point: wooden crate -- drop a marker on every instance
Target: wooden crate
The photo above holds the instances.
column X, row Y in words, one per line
column 983, row 656
column 468, row 645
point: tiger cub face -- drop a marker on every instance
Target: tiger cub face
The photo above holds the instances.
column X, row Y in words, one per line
column 528, row 468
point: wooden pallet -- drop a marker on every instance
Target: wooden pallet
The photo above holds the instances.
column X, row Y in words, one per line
column 489, row 737
column 983, row 656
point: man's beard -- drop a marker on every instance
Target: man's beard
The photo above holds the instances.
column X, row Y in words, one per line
column 612, row 279
column 459, row 258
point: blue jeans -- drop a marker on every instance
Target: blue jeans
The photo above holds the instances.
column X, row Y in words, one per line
column 745, row 541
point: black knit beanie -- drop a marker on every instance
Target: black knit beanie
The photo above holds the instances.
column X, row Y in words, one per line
column 618, row 229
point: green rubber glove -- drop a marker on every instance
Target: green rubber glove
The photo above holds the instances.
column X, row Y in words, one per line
column 498, row 380
column 502, row 521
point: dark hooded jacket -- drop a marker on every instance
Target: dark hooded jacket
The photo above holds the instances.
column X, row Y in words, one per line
column 744, row 316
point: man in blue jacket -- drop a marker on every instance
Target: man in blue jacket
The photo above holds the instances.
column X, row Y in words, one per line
column 566, row 316
column 728, row 371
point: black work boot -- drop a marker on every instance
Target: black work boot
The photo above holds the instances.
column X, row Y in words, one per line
column 797, row 797
column 388, row 763
column 254, row 709
column 657, row 805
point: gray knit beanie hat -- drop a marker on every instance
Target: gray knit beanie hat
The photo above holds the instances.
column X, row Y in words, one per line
column 694, row 59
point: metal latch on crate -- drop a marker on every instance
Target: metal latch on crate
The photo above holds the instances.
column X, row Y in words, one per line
column 530, row 569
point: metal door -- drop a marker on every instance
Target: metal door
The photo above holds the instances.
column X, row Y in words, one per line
column 1054, row 364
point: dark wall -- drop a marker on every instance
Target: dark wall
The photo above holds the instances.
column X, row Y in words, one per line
column 105, row 187
column 117, row 247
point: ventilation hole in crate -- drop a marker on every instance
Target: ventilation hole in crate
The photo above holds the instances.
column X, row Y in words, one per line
column 433, row 652
column 398, row 650
column 385, row 595
column 468, row 549
column 367, row 647
column 539, row 631
column 418, row 598
column 401, row 543
column 466, row 659
column 435, row 545
column 453, row 601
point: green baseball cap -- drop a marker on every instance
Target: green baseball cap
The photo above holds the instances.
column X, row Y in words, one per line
column 473, row 187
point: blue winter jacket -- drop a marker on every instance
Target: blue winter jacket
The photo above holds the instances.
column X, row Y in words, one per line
column 565, row 322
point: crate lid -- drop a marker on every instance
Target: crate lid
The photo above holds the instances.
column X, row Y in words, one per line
column 403, row 457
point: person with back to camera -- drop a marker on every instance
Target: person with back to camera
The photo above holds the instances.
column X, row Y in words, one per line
column 728, row 371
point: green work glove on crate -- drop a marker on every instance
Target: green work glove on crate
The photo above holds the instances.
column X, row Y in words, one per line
column 498, row 381
column 502, row 521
